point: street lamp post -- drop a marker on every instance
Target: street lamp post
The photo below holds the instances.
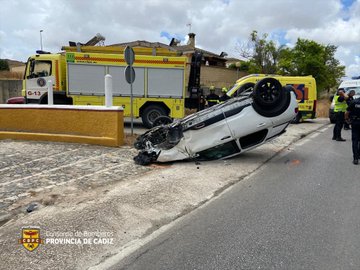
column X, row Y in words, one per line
column 41, row 45
column 237, row 64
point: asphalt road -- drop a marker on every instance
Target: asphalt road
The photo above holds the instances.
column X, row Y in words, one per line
column 299, row 211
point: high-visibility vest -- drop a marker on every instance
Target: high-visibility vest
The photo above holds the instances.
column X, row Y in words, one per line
column 339, row 106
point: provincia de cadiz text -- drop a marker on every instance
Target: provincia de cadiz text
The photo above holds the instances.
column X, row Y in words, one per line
column 33, row 237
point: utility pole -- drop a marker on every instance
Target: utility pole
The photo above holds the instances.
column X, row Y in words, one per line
column 41, row 45
column 189, row 25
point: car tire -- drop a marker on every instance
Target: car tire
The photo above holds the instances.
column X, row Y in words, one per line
column 150, row 113
column 162, row 120
column 268, row 93
column 280, row 107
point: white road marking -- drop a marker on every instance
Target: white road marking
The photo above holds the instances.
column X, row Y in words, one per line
column 301, row 142
column 324, row 129
column 314, row 135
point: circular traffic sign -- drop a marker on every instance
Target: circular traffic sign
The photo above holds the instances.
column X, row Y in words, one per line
column 129, row 55
column 129, row 74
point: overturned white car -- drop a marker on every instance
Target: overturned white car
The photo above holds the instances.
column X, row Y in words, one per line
column 224, row 130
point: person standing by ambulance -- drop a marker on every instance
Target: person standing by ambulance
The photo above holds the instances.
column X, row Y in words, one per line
column 339, row 110
column 352, row 116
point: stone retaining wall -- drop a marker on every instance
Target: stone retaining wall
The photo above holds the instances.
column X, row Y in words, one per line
column 9, row 89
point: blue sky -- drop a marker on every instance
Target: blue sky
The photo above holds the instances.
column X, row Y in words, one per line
column 347, row 3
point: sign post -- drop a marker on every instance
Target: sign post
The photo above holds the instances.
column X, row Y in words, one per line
column 129, row 56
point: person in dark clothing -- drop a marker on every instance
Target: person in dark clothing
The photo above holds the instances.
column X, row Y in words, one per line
column 339, row 110
column 348, row 101
column 212, row 99
column 224, row 96
column 352, row 116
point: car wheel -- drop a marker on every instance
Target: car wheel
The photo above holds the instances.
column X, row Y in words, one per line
column 162, row 120
column 277, row 109
column 268, row 93
column 150, row 113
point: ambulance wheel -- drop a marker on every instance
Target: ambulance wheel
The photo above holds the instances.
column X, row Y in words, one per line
column 268, row 93
column 150, row 113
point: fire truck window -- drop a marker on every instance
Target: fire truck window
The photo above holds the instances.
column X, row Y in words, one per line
column 39, row 69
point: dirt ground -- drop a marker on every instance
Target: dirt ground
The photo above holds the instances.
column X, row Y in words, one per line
column 129, row 139
column 322, row 109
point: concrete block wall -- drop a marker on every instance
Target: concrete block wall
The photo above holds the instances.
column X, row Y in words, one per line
column 9, row 88
column 219, row 77
column 216, row 76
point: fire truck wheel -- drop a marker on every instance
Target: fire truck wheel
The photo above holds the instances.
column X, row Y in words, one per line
column 150, row 113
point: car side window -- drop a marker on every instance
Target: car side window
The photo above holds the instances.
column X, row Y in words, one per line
column 220, row 151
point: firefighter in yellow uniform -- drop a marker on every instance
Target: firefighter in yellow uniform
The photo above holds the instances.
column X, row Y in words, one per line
column 224, row 96
column 339, row 110
column 212, row 99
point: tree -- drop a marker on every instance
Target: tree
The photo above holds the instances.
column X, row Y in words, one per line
column 4, row 65
column 262, row 54
column 333, row 68
column 306, row 58
column 311, row 58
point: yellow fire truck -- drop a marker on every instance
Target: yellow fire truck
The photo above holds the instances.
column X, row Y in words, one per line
column 78, row 79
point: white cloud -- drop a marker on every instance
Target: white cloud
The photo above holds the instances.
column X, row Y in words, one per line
column 354, row 68
column 218, row 24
